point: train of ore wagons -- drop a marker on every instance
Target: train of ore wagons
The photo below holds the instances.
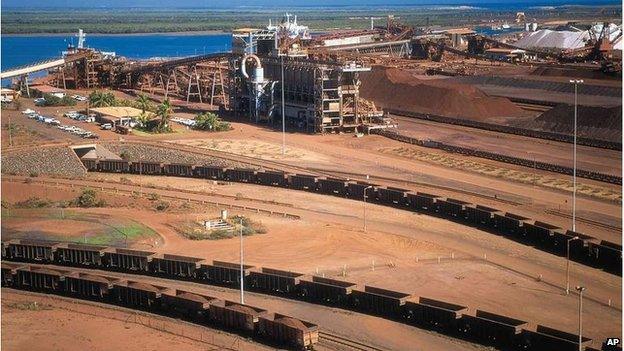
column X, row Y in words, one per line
column 51, row 267
column 583, row 248
column 451, row 319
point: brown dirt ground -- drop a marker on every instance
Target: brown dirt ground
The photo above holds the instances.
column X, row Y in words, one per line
column 57, row 324
column 405, row 250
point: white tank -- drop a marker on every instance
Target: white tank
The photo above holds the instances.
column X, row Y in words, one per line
column 259, row 75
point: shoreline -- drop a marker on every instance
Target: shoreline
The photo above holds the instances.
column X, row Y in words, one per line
column 89, row 34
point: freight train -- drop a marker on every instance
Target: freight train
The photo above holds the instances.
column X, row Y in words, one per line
column 584, row 249
column 249, row 321
column 451, row 319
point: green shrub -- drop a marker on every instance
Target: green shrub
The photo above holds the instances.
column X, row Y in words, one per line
column 210, row 121
column 34, row 202
column 162, row 206
column 89, row 198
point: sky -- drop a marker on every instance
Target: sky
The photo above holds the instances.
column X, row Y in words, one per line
column 35, row 4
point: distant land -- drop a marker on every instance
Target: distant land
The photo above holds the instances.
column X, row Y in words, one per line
column 22, row 20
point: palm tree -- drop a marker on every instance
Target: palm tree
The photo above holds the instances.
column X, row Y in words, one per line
column 144, row 103
column 164, row 111
column 96, row 99
column 101, row 99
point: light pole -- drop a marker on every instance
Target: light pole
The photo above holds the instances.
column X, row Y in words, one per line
column 576, row 82
column 242, row 272
column 568, row 265
column 283, row 113
column 368, row 187
column 580, row 289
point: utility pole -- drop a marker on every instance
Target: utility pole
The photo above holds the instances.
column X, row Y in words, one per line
column 242, row 272
column 568, row 265
column 283, row 111
column 580, row 289
column 576, row 82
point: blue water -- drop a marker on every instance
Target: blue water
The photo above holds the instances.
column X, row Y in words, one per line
column 22, row 50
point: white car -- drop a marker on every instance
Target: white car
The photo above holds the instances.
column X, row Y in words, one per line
column 106, row 126
column 28, row 111
column 79, row 97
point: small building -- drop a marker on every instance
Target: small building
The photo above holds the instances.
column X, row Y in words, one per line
column 117, row 115
column 458, row 36
column 8, row 95
column 509, row 55
column 50, row 90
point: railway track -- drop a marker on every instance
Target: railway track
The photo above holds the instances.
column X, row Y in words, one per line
column 281, row 166
column 343, row 343
column 585, row 220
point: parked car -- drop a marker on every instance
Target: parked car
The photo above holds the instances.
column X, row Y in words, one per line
column 106, row 126
column 79, row 97
column 39, row 101
column 28, row 111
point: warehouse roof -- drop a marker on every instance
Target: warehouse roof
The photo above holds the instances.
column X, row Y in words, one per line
column 118, row 111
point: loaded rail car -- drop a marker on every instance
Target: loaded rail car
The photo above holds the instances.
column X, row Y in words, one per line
column 391, row 196
column 548, row 339
column 608, row 256
column 178, row 170
column 511, row 224
column 232, row 315
column 302, row 182
column 224, row 273
column 433, row 314
column 26, row 250
column 274, row 281
column 422, row 201
column 90, row 164
column 272, row 178
column 331, row 186
column 128, row 260
column 287, row 330
column 378, row 301
column 482, row 216
column 151, row 168
column 88, row 286
column 9, row 273
column 558, row 243
column 79, row 255
column 579, row 248
column 325, row 290
column 114, row 166
column 209, row 172
column 175, row 266
column 39, row 279
column 540, row 234
column 355, row 190
column 243, row 175
column 491, row 329
column 455, row 209
column 140, row 295
column 190, row 306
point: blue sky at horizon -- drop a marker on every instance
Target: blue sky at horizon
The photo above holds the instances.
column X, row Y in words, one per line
column 50, row 4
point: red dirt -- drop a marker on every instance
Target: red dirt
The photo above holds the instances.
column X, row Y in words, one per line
column 400, row 89
column 59, row 324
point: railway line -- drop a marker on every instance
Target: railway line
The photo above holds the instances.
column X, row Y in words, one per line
column 443, row 317
column 543, row 236
column 468, row 151
column 510, row 130
column 343, row 343
column 346, row 175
